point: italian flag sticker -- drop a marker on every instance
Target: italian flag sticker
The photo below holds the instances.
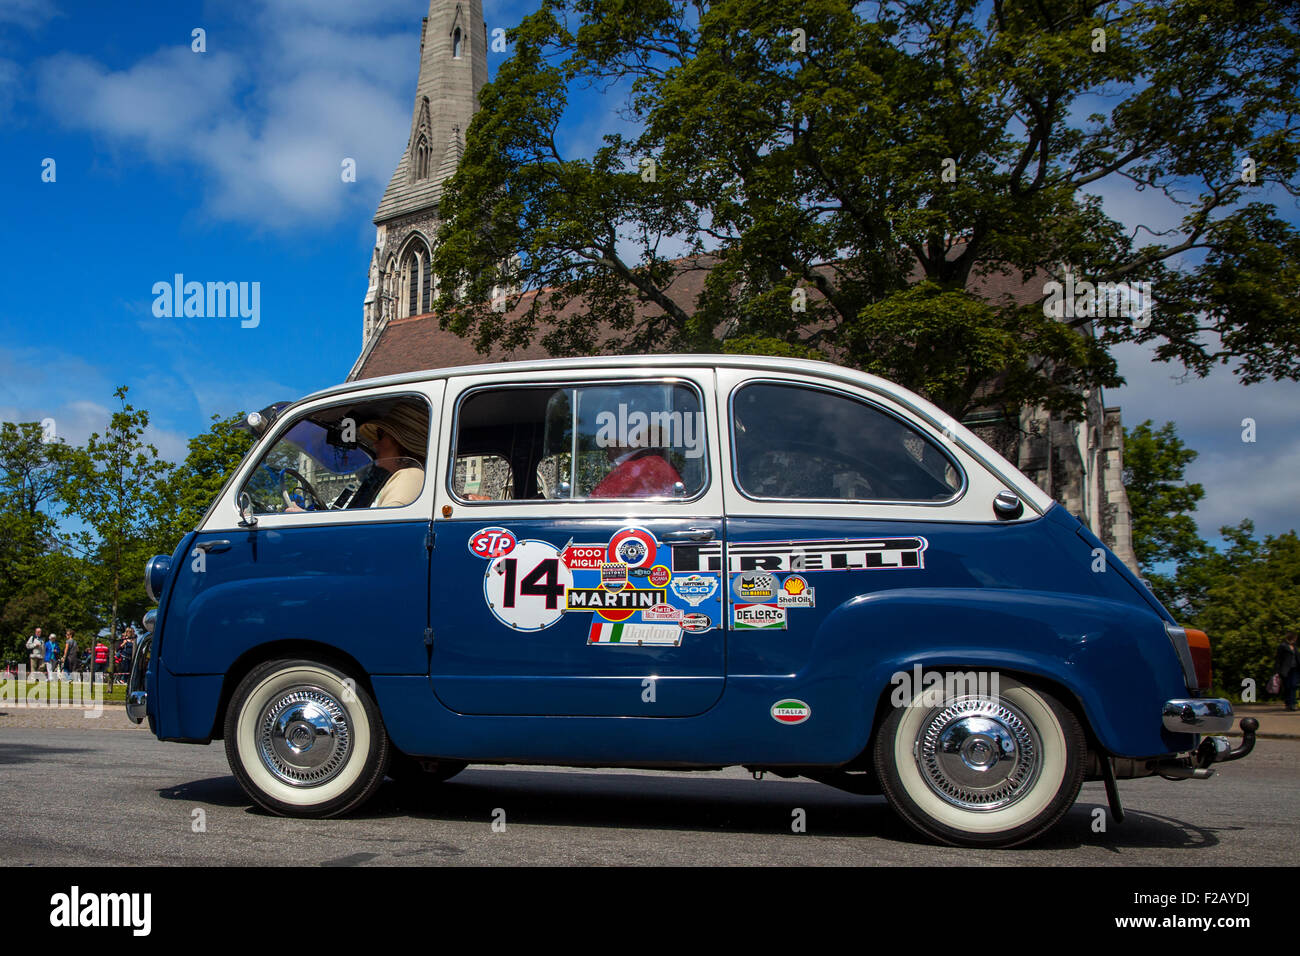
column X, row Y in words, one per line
column 790, row 712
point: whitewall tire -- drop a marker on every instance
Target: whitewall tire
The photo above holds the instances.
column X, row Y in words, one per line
column 982, row 769
column 305, row 739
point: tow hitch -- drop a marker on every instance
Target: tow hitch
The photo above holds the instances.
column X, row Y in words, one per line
column 1211, row 751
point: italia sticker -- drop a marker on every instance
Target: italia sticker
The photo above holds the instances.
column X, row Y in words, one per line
column 759, row 617
column 790, row 711
column 628, row 634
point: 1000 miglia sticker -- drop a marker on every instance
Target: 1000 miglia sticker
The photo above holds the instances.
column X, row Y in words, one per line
column 625, row 585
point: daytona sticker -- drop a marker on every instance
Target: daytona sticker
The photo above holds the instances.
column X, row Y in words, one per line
column 790, row 711
column 629, row 634
column 694, row 589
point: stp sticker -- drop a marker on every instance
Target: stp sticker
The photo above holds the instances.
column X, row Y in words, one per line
column 790, row 711
column 491, row 543
column 634, row 547
column 756, row 617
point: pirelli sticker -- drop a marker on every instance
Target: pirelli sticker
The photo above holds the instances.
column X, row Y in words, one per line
column 847, row 554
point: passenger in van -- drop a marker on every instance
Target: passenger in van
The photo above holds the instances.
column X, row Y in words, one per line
column 399, row 447
column 640, row 469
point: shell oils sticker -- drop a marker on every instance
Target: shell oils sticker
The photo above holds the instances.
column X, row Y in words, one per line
column 790, row 711
column 795, row 592
column 758, row 617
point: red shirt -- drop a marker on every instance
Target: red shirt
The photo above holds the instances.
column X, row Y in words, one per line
column 101, row 654
column 643, row 476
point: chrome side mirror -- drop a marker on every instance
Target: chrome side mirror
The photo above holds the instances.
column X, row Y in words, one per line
column 1008, row 506
column 246, row 517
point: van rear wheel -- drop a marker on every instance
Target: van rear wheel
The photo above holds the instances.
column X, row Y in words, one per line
column 305, row 739
column 985, row 768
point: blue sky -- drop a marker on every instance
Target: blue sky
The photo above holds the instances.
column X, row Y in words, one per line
column 224, row 166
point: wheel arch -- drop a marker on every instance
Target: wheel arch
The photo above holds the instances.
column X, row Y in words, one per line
column 289, row 647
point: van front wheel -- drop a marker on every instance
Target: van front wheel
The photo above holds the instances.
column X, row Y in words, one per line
column 305, row 739
column 985, row 768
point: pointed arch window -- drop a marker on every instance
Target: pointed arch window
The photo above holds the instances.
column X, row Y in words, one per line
column 456, row 41
column 422, row 157
column 414, row 292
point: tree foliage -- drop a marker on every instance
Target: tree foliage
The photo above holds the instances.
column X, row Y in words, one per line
column 834, row 154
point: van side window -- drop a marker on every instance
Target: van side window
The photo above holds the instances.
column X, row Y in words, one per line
column 617, row 440
column 367, row 454
column 794, row 442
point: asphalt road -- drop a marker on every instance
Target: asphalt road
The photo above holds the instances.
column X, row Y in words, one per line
column 101, row 794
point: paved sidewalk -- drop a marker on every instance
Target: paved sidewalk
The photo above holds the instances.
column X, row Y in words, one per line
column 1274, row 720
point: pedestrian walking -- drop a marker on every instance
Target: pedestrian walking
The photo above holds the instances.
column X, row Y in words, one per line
column 35, row 653
column 101, row 660
column 51, row 655
column 1287, row 666
column 71, row 654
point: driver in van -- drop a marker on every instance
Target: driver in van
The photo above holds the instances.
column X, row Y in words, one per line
column 399, row 441
column 638, row 470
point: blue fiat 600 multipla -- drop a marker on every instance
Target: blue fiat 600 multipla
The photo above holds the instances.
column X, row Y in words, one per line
column 666, row 562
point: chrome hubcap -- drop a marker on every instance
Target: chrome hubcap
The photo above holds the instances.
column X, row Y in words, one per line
column 303, row 737
column 978, row 753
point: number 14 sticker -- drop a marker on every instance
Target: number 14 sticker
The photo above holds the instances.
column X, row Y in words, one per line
column 525, row 589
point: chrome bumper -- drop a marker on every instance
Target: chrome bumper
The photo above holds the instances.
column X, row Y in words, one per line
column 137, row 698
column 1203, row 716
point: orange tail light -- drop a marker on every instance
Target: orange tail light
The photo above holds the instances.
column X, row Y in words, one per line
column 1199, row 644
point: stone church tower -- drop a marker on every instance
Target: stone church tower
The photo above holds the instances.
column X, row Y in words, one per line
column 453, row 68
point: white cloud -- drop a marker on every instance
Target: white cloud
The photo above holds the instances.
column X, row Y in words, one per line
column 1259, row 480
column 267, row 124
column 28, row 14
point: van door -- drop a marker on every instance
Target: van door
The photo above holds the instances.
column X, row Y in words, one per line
column 566, row 577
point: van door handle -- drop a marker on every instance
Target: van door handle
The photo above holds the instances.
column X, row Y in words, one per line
column 690, row 534
column 217, row 546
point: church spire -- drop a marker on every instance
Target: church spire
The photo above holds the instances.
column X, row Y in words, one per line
column 453, row 68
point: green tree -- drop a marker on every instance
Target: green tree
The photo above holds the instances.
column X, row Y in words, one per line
column 111, row 488
column 827, row 155
column 185, row 493
column 1251, row 597
column 1162, row 503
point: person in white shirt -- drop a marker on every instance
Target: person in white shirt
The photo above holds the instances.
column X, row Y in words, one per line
column 399, row 448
